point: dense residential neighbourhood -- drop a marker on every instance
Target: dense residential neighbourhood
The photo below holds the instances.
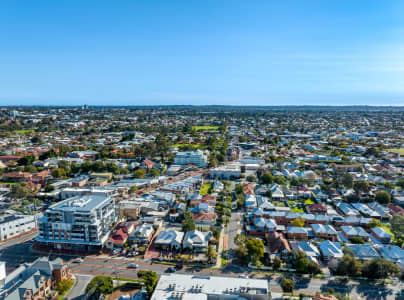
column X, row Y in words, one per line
column 201, row 202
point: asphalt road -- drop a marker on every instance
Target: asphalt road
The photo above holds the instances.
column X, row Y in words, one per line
column 77, row 291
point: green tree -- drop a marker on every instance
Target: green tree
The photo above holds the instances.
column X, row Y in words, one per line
column 36, row 139
column 277, row 263
column 100, row 285
column 133, row 189
column 287, row 285
column 383, row 197
column 400, row 183
column 64, row 286
column 240, row 239
column 374, row 223
column 140, row 173
column 112, row 167
column 188, row 223
column 211, row 253
column 19, row 190
column 255, row 249
column 357, row 240
column 251, row 178
column 154, row 172
column 150, row 281
column 26, row 160
column 380, row 268
column 267, row 178
column 397, row 228
column 299, row 222
column 361, row 186
column 348, row 265
column 347, row 180
column 58, row 173
column 239, row 188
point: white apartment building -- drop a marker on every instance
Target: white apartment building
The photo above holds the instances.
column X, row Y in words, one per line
column 226, row 172
column 81, row 223
column 187, row 287
column 197, row 158
column 14, row 225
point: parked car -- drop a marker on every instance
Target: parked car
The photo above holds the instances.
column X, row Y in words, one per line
column 179, row 267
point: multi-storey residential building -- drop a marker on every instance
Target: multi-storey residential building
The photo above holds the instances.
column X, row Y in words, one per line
column 82, row 222
column 197, row 158
column 32, row 281
column 14, row 225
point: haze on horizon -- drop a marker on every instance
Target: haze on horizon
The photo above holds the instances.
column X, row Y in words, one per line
column 310, row 52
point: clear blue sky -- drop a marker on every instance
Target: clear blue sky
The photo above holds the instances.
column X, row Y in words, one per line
column 142, row 52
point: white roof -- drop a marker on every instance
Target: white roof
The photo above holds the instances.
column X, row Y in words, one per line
column 198, row 287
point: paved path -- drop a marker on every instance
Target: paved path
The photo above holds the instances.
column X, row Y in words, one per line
column 77, row 291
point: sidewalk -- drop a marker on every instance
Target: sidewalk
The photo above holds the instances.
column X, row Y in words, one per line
column 220, row 250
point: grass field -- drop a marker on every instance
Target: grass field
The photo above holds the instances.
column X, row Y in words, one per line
column 200, row 128
column 206, row 187
column 24, row 131
column 400, row 151
column 190, row 146
column 308, row 201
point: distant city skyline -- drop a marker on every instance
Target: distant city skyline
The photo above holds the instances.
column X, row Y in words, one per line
column 202, row 53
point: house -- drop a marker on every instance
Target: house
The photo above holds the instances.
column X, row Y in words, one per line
column 276, row 192
column 364, row 251
column 218, row 186
column 347, row 209
column 41, row 177
column 203, row 221
column 277, row 244
column 117, row 239
column 381, row 235
column 33, row 281
column 248, row 189
column 330, row 250
column 142, row 234
column 146, row 164
column 391, row 252
column 264, row 224
column 395, row 209
column 324, row 231
column 308, row 248
column 79, row 181
column 17, row 176
column 297, row 233
column 7, row 158
column 197, row 241
column 316, row 208
column 354, row 232
column 169, row 239
column 250, row 201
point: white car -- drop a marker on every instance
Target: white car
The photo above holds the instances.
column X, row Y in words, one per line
column 77, row 260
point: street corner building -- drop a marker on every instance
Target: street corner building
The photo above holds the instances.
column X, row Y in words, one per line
column 189, row 287
column 79, row 223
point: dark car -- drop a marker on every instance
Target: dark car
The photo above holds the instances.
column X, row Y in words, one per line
column 179, row 267
column 170, row 270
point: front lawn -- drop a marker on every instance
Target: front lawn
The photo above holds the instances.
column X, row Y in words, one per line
column 205, row 189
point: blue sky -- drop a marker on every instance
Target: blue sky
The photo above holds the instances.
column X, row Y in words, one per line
column 302, row 52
